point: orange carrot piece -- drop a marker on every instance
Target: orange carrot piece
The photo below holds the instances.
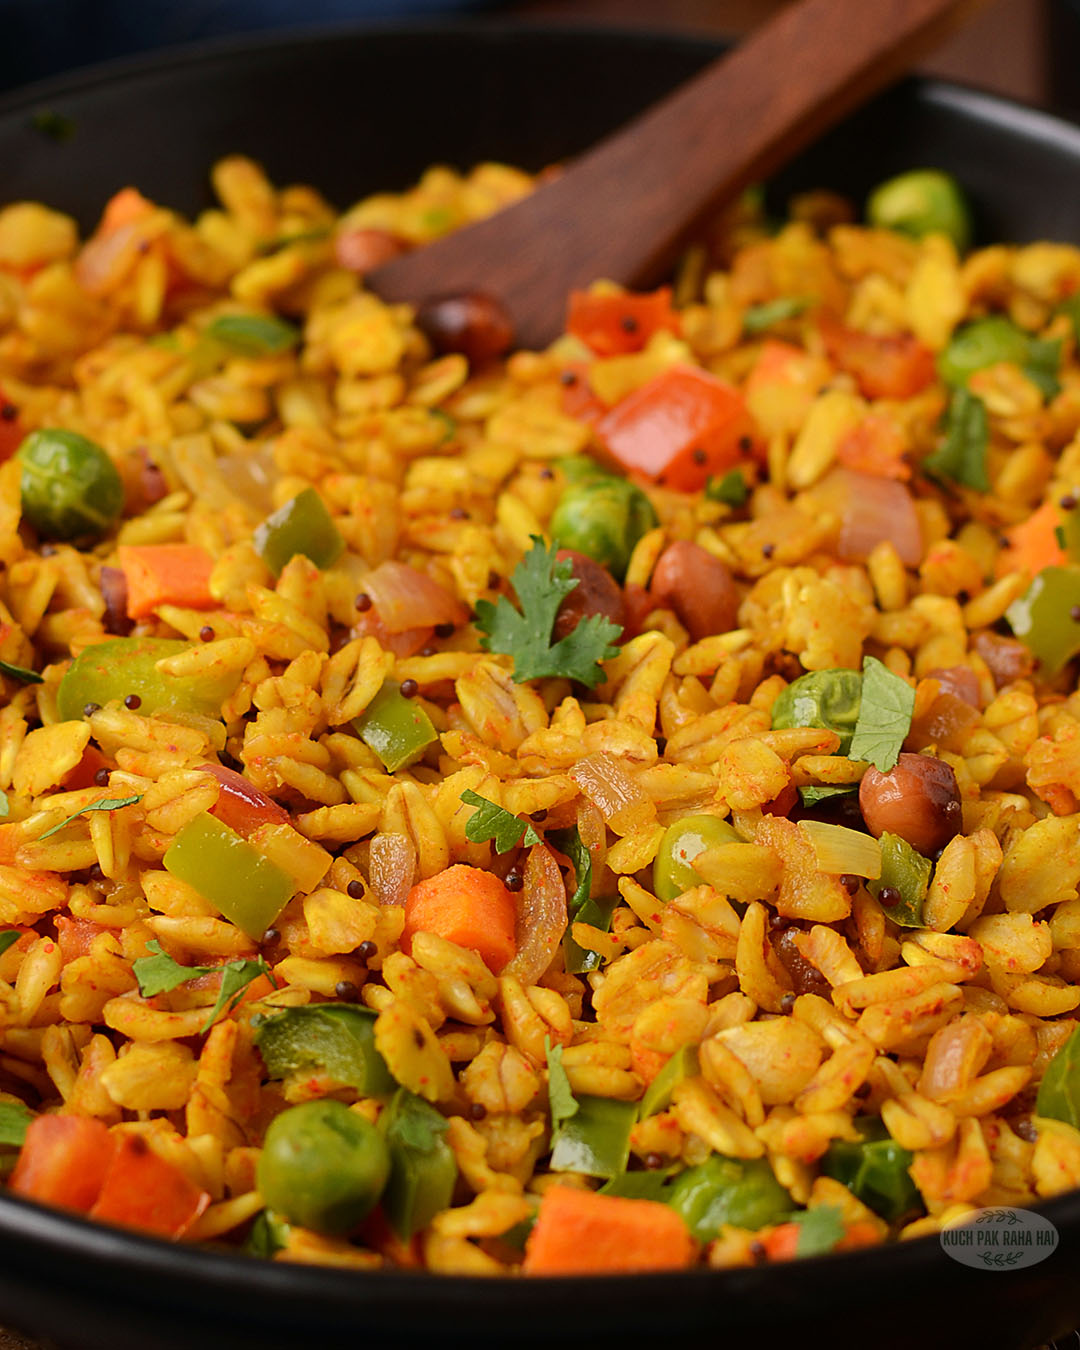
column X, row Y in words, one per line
column 1033, row 544
column 679, row 428
column 123, row 208
column 894, row 366
column 614, row 324
column 875, row 446
column 583, row 1232
column 782, row 1242
column 165, row 574
column 467, row 906
column 578, row 399
column 142, row 1190
column 63, row 1161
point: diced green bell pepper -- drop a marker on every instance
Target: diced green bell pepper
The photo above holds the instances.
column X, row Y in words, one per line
column 1042, row 618
column 226, row 870
column 638, row 1185
column 337, row 1039
column 395, row 727
column 683, row 1064
column 906, row 872
column 128, row 665
column 597, row 912
column 302, row 525
column 423, row 1170
column 996, row 338
column 681, row 844
column 875, row 1168
column 741, row 1192
column 596, row 1140
column 824, row 698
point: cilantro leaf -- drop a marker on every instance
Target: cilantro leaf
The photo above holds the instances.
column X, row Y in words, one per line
column 569, row 842
column 159, row 974
column 20, row 673
column 759, row 317
column 489, row 821
column 541, row 584
column 235, row 978
column 961, row 458
column 102, row 804
column 813, row 793
column 414, row 1124
column 8, row 938
column 820, row 1229
column 731, row 489
column 14, row 1119
column 884, row 716
column 4, row 807
column 560, row 1094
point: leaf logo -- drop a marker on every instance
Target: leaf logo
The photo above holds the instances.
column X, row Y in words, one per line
column 1001, row 1238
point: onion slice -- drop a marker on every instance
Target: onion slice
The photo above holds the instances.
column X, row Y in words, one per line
column 391, row 867
column 872, row 509
column 542, row 917
column 407, row 598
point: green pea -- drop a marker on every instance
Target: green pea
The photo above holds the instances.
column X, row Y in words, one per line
column 925, row 201
column 323, row 1166
column 70, row 486
column 603, row 518
column 723, row 1190
column 682, row 842
column 824, row 698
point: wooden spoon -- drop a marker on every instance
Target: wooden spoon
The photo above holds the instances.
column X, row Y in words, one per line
column 624, row 209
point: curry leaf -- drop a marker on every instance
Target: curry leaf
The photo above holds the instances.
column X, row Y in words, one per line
column 541, row 584
column 489, row 821
column 102, row 804
column 570, row 842
column 759, row 317
column 8, row 938
column 961, row 458
column 731, row 489
column 20, row 673
column 1059, row 1091
column 820, row 1229
column 561, row 1097
column 14, row 1120
column 884, row 716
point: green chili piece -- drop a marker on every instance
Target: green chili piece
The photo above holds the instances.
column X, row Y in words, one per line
column 673, row 872
column 395, row 727
column 683, row 1064
column 253, row 335
column 1059, row 1091
column 1042, row 618
column 423, row 1169
column 595, row 1141
column 722, row 1190
column 70, row 487
column 242, row 885
column 825, row 698
column 268, row 1234
column 114, row 669
column 337, row 1039
column 996, row 338
column 604, row 518
column 875, row 1168
column 922, row 202
column 302, row 525
column 596, row 912
column 905, row 873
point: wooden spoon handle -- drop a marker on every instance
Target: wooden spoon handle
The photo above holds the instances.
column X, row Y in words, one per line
column 623, row 209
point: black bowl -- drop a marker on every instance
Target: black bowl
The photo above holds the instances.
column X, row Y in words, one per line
column 352, row 112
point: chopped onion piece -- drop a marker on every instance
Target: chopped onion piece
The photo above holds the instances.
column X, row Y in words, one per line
column 872, row 509
column 622, row 803
column 542, row 916
column 841, row 850
column 407, row 598
column 391, row 867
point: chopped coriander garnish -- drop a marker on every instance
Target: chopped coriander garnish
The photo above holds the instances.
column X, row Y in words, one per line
column 961, row 457
column 489, row 821
column 884, row 716
column 8, row 938
column 159, row 973
column 760, row 317
column 731, row 489
column 820, row 1229
column 541, row 584
column 813, row 793
column 561, row 1097
column 569, row 841
column 102, row 804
